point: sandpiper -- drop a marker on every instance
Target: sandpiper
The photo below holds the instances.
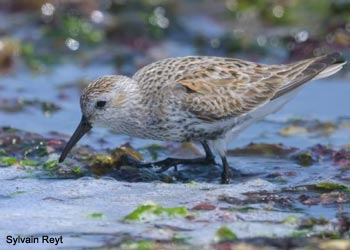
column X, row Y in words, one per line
column 196, row 98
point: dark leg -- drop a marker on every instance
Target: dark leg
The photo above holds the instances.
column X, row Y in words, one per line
column 226, row 173
column 173, row 162
column 208, row 153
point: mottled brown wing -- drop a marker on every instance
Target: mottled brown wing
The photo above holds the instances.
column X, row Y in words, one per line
column 223, row 88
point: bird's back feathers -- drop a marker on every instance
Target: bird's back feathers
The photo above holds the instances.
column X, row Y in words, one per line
column 216, row 88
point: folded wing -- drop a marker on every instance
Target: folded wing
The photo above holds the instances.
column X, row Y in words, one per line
column 222, row 88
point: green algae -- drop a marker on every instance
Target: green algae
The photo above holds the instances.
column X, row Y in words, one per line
column 140, row 245
column 224, row 234
column 179, row 239
column 292, row 219
column 50, row 165
column 151, row 211
column 192, row 183
column 6, row 161
column 332, row 235
column 77, row 170
column 96, row 215
column 30, row 163
column 331, row 186
column 18, row 192
column 300, row 233
column 304, row 159
column 311, row 222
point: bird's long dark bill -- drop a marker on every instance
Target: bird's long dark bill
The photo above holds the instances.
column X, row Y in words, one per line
column 83, row 127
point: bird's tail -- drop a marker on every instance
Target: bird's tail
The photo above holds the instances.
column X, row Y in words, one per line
column 330, row 70
column 311, row 69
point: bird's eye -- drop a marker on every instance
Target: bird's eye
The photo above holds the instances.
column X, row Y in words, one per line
column 100, row 104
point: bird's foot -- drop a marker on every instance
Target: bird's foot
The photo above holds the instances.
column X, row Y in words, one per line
column 174, row 162
column 168, row 162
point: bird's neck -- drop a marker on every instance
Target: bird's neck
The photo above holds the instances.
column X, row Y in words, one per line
column 130, row 112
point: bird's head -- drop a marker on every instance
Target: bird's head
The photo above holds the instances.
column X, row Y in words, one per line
column 101, row 102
